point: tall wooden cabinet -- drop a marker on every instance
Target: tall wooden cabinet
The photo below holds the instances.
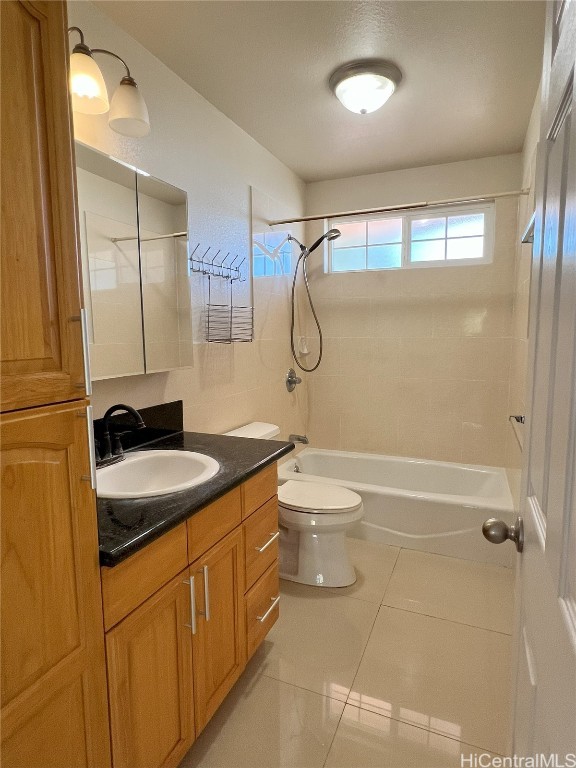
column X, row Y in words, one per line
column 54, row 703
column 54, row 711
column 41, row 336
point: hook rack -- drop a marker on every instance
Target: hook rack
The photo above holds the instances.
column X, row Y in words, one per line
column 213, row 267
column 225, row 323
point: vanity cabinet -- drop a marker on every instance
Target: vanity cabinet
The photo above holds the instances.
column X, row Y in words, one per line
column 219, row 641
column 42, row 360
column 149, row 681
column 182, row 616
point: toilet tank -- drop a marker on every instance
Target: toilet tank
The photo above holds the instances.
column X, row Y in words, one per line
column 257, row 429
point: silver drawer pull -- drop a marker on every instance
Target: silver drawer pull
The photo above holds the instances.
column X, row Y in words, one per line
column 275, row 601
column 274, row 537
column 192, row 624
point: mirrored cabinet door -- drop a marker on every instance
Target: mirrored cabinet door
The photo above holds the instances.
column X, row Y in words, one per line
column 134, row 243
column 166, row 309
column 108, row 217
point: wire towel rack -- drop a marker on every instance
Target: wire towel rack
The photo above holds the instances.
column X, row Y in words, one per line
column 225, row 323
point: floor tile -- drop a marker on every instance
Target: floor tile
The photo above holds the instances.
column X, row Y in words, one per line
column 478, row 594
column 318, row 641
column 367, row 740
column 436, row 674
column 264, row 722
column 373, row 564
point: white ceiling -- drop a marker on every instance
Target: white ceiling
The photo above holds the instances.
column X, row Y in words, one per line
column 470, row 74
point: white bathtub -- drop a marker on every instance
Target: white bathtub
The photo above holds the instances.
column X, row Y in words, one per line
column 432, row 506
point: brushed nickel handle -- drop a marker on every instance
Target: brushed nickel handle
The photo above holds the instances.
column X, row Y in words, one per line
column 206, row 611
column 192, row 624
column 275, row 601
column 497, row 531
column 265, row 546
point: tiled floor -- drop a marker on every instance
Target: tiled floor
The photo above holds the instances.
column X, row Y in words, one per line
column 408, row 668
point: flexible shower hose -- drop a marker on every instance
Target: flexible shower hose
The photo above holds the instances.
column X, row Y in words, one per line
column 302, row 258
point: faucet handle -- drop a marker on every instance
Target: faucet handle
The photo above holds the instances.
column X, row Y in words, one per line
column 117, row 449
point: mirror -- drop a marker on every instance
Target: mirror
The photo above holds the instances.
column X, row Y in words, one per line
column 134, row 246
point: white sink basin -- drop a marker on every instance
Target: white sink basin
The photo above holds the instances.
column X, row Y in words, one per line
column 154, row 473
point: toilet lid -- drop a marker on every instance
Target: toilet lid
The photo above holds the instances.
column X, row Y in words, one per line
column 317, row 497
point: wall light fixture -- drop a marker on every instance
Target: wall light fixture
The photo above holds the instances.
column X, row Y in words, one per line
column 365, row 86
column 128, row 110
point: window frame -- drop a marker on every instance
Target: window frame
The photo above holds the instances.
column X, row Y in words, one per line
column 408, row 216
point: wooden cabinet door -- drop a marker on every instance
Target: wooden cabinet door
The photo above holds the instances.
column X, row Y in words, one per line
column 150, row 681
column 54, row 705
column 220, row 640
column 42, row 360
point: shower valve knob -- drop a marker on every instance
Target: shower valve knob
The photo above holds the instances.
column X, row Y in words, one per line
column 497, row 531
column 292, row 380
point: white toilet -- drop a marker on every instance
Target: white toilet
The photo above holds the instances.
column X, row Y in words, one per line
column 313, row 519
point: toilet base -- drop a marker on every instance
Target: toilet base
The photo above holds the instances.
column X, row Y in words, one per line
column 322, row 561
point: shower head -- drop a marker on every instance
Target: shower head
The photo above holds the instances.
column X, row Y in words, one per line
column 332, row 234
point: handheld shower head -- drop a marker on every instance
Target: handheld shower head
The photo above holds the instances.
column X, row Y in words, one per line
column 332, row 234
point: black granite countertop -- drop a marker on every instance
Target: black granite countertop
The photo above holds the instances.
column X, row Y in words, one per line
column 127, row 525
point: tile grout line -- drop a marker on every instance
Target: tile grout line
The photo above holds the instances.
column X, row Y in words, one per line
column 372, row 629
column 359, row 663
column 302, row 688
column 392, row 573
column 427, row 730
column 441, row 618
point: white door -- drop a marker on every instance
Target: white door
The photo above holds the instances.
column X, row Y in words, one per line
column 545, row 656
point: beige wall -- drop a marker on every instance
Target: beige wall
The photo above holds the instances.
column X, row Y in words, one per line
column 198, row 149
column 417, row 361
column 519, row 341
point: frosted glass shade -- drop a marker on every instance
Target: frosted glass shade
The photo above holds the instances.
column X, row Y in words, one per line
column 87, row 85
column 128, row 112
column 365, row 92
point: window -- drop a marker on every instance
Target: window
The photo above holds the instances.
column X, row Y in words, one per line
column 418, row 238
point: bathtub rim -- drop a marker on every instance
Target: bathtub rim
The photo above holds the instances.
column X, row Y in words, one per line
column 502, row 503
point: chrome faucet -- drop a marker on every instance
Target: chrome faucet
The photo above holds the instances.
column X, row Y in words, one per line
column 112, row 453
column 298, row 439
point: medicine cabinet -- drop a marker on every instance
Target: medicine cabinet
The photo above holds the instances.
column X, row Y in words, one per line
column 135, row 269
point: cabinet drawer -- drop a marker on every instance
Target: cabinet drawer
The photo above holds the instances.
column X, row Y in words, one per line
column 259, row 489
column 129, row 583
column 212, row 523
column 260, row 546
column 262, row 609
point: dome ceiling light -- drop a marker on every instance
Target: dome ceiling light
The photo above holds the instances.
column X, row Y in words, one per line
column 365, row 86
column 128, row 110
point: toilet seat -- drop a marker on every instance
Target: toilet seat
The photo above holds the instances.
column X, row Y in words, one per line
column 317, row 498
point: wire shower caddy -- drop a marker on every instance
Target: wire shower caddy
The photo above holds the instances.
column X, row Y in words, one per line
column 225, row 323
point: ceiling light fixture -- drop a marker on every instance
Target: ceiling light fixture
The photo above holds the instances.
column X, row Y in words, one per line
column 365, row 86
column 128, row 110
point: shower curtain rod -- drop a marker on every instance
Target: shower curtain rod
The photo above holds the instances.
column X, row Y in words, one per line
column 148, row 239
column 407, row 207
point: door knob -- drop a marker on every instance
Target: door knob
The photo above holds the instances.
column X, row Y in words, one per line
column 497, row 531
